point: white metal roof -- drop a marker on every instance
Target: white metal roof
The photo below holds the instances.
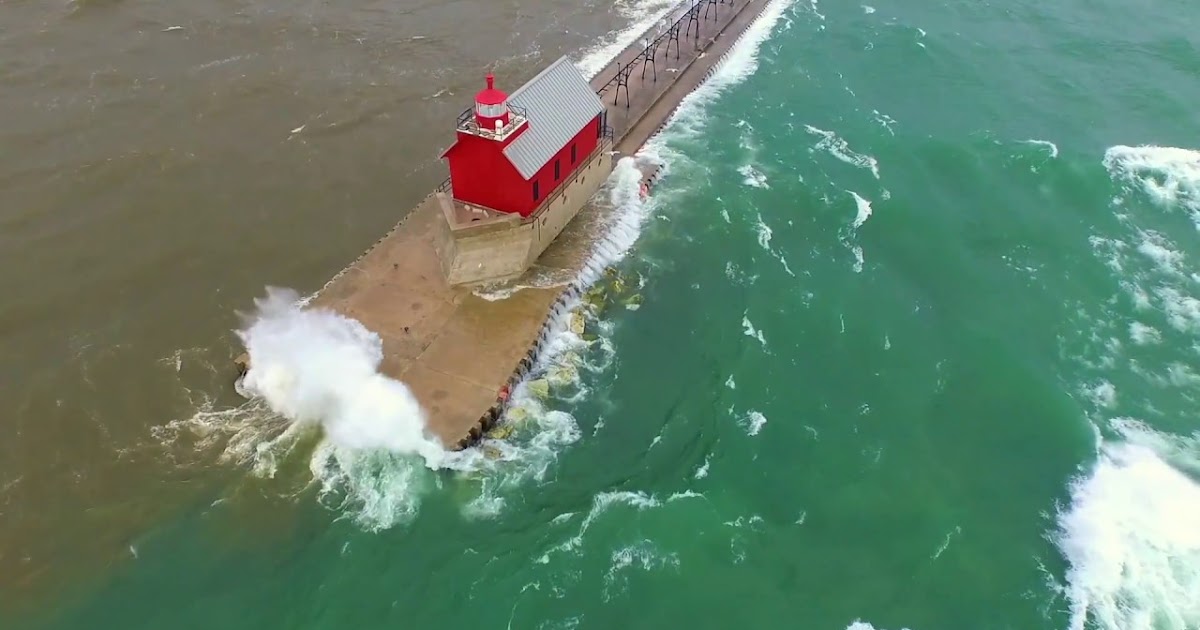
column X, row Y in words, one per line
column 558, row 103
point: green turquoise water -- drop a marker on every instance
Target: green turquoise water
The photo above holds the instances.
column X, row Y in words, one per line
column 971, row 407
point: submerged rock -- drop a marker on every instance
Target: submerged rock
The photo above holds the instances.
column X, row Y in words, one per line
column 618, row 285
column 501, row 431
column 561, row 375
column 594, row 298
column 540, row 388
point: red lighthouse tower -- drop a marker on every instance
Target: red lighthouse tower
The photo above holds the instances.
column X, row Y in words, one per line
column 513, row 152
column 491, row 107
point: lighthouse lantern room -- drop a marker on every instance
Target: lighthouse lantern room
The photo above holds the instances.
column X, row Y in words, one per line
column 513, row 151
column 491, row 107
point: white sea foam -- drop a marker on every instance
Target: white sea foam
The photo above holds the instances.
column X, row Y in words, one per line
column 884, row 121
column 1144, row 335
column 1102, row 394
column 605, row 501
column 702, row 471
column 316, row 366
column 834, row 145
column 751, row 176
column 812, row 7
column 1164, row 285
column 1152, row 271
column 641, row 15
column 1170, row 176
column 644, row 555
column 754, row 422
column 1160, row 250
column 749, row 330
column 537, row 279
column 862, row 625
column 863, row 209
column 1183, row 311
column 764, row 234
column 1050, row 146
column 319, row 369
column 315, row 373
column 1131, row 535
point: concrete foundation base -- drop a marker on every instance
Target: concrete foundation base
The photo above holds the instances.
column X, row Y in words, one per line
column 479, row 245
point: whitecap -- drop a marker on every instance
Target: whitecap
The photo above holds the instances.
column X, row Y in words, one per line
column 1168, row 175
column 1050, row 146
column 1131, row 535
column 1144, row 335
column 751, row 176
column 749, row 330
column 834, row 145
column 754, row 422
column 863, row 209
column 862, row 625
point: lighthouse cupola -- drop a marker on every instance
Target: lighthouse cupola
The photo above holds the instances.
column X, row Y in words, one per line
column 491, row 107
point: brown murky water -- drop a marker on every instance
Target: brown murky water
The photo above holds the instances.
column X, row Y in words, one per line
column 161, row 163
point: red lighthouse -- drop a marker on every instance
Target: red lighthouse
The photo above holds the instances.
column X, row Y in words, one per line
column 491, row 107
column 514, row 152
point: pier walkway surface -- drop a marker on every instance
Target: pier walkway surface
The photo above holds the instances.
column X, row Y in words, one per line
column 456, row 350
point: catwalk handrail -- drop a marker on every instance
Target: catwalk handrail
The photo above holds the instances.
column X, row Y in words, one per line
column 561, row 189
column 666, row 35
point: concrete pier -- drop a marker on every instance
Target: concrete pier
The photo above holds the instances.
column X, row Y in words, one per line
column 457, row 351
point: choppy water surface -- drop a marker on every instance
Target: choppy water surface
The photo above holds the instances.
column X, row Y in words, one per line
column 914, row 343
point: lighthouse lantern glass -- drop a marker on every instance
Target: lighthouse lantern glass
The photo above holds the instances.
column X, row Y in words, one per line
column 486, row 110
column 491, row 107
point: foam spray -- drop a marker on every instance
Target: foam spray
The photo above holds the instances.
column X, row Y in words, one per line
column 314, row 366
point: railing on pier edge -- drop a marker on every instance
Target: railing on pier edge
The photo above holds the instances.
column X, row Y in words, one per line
column 666, row 36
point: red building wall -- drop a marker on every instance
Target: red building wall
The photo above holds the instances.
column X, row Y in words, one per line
column 585, row 142
column 481, row 174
